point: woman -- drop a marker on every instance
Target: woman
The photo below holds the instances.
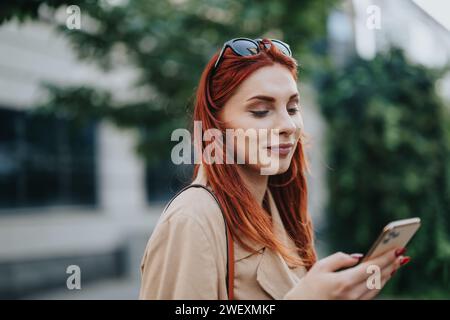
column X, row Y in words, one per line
column 250, row 85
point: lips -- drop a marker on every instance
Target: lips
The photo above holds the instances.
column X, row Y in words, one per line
column 282, row 149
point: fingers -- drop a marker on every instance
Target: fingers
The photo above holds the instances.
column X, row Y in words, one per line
column 366, row 292
column 354, row 282
column 386, row 275
column 372, row 293
column 384, row 260
column 360, row 290
column 363, row 271
column 366, row 280
column 337, row 261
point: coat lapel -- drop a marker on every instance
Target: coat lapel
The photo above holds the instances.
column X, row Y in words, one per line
column 273, row 273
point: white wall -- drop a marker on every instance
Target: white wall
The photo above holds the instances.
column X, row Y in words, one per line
column 32, row 53
column 406, row 25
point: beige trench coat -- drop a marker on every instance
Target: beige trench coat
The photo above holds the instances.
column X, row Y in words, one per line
column 186, row 256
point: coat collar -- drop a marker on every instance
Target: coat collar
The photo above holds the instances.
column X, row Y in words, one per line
column 273, row 273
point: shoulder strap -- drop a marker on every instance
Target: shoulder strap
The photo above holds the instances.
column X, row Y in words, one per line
column 229, row 240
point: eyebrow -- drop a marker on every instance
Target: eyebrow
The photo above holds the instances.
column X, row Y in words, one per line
column 270, row 99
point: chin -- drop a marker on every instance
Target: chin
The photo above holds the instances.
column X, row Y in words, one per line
column 276, row 168
column 284, row 166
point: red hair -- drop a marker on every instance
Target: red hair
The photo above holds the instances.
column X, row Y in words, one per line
column 244, row 215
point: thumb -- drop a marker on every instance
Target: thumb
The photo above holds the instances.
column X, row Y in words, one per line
column 339, row 260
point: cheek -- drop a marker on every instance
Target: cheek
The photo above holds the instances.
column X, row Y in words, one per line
column 298, row 120
column 247, row 143
column 260, row 129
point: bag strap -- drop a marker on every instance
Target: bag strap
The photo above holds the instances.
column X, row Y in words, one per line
column 229, row 240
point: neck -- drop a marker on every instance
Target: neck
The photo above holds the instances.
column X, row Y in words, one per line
column 255, row 182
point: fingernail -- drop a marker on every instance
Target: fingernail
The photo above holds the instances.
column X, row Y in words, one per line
column 357, row 255
column 404, row 260
column 400, row 251
column 393, row 272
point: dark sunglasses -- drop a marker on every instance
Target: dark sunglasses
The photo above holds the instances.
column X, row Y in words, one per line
column 248, row 47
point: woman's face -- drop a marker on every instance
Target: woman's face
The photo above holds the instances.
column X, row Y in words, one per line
column 268, row 99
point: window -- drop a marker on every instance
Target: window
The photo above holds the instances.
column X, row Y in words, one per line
column 45, row 160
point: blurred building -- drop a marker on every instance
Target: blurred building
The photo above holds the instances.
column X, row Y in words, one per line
column 68, row 196
column 366, row 27
column 404, row 24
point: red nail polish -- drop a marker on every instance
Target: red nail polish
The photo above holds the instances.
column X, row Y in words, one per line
column 400, row 251
column 404, row 260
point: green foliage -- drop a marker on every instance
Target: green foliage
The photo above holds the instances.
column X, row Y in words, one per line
column 388, row 153
column 168, row 43
column 24, row 9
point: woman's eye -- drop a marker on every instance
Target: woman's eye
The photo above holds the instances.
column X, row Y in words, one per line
column 259, row 114
column 293, row 107
column 293, row 110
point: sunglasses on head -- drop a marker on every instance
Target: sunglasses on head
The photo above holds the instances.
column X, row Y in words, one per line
column 248, row 47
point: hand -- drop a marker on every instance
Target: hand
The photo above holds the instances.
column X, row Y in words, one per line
column 324, row 281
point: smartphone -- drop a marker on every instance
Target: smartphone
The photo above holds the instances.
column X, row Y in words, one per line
column 396, row 234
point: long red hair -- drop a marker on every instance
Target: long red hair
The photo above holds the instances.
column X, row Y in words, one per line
column 244, row 215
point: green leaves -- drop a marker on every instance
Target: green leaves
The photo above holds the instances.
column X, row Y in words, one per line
column 167, row 44
column 389, row 153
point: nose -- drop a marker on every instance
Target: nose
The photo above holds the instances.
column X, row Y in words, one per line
column 286, row 124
